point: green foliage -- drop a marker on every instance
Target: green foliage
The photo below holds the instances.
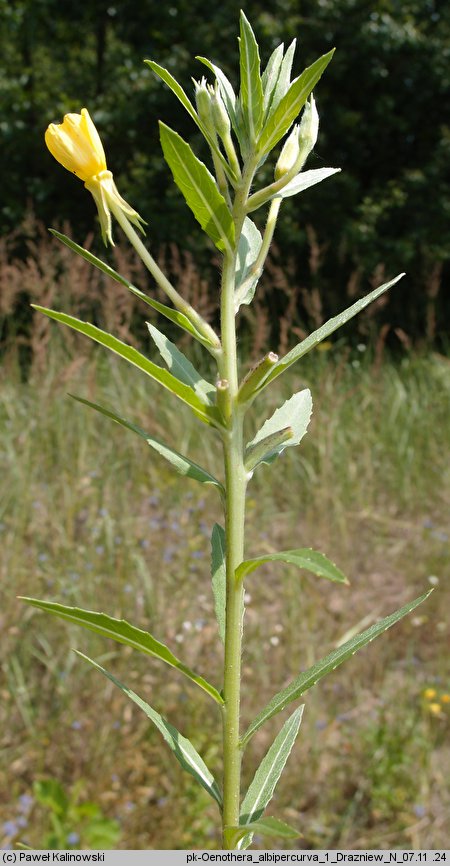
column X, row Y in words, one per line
column 221, row 204
column 185, row 753
column 269, row 771
column 124, row 633
column 71, row 821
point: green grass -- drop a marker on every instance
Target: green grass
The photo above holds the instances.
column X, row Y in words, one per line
column 89, row 517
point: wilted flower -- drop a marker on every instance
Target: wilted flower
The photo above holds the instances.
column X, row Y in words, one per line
column 76, row 144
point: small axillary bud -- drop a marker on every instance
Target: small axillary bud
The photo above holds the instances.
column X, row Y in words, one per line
column 219, row 113
column 289, row 154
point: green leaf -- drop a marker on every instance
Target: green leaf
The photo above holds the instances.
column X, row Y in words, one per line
column 291, row 104
column 182, row 748
column 284, row 78
column 312, row 676
column 199, row 189
column 93, row 260
column 219, row 578
column 325, row 331
column 50, row 793
column 304, row 180
column 182, row 464
column 185, row 101
column 270, row 76
column 250, row 243
column 207, row 414
column 272, row 827
column 181, row 367
column 125, row 633
column 295, row 414
column 305, row 558
column 173, row 315
column 255, row 454
column 269, row 771
column 251, row 94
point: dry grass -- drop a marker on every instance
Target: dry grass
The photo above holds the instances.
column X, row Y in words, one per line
column 88, row 517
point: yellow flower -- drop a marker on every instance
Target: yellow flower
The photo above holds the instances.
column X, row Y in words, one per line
column 435, row 709
column 76, row 144
column 445, row 699
column 429, row 694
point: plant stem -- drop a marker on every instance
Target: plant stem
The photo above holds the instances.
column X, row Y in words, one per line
column 179, row 303
column 235, row 487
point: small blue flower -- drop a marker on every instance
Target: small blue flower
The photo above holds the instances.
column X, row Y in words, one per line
column 10, row 828
column 73, row 839
column 25, row 802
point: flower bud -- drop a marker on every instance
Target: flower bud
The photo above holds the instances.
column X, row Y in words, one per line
column 76, row 144
column 289, row 154
column 219, row 113
column 203, row 102
column 309, row 128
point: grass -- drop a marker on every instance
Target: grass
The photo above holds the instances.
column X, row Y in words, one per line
column 89, row 517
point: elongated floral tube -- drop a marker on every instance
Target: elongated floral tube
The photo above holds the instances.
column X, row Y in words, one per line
column 76, row 144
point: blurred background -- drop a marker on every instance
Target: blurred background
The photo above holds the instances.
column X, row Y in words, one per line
column 83, row 522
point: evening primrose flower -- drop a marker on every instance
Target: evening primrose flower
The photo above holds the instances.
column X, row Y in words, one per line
column 76, row 144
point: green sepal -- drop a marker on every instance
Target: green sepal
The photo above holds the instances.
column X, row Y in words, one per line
column 305, row 558
column 180, row 463
column 185, row 753
column 207, row 414
column 199, row 188
column 123, row 632
column 312, row 676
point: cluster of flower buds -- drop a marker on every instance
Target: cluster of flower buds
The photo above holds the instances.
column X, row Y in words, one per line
column 211, row 109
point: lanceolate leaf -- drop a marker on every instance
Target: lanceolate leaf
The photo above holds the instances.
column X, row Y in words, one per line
column 325, row 331
column 251, row 87
column 310, row 677
column 122, row 632
column 291, row 104
column 173, row 315
column 272, row 827
column 181, row 367
column 180, row 463
column 305, row 558
column 206, row 413
column 284, row 78
column 304, row 180
column 269, row 771
column 295, row 414
column 93, row 260
column 250, row 243
column 182, row 748
column 199, row 188
column 270, row 76
column 219, row 578
column 176, row 88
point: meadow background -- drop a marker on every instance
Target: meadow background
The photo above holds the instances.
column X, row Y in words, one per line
column 88, row 517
